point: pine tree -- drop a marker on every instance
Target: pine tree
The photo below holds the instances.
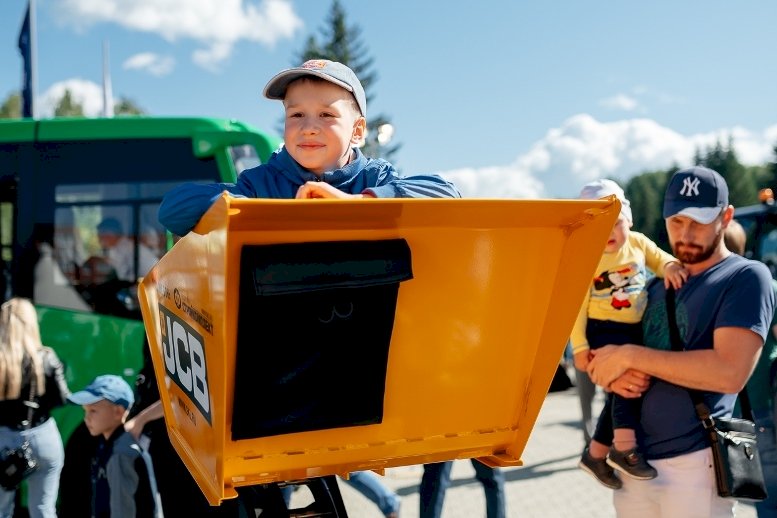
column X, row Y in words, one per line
column 127, row 106
column 11, row 107
column 67, row 107
column 341, row 42
column 742, row 188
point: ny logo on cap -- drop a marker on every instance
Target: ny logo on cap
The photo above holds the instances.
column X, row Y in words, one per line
column 690, row 187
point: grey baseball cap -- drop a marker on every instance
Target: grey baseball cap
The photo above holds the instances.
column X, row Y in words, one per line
column 331, row 71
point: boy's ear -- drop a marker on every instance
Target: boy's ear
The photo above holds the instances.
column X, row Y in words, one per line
column 359, row 131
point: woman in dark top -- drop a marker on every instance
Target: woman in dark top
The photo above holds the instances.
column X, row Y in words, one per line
column 31, row 377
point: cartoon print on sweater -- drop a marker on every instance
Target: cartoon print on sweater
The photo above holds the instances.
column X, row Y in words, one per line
column 621, row 282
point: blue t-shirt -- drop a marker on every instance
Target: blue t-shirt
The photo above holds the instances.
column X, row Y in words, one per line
column 736, row 292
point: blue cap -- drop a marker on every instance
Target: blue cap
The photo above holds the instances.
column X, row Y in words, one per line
column 698, row 193
column 110, row 387
column 331, row 71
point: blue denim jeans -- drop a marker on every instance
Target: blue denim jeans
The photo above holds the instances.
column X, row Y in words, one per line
column 767, row 450
column 369, row 484
column 437, row 478
column 43, row 484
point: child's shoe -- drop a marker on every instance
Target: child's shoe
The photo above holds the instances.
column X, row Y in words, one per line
column 599, row 469
column 631, row 463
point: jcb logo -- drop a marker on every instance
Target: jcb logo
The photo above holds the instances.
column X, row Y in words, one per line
column 185, row 359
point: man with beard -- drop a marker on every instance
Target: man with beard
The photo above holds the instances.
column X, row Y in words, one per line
column 723, row 314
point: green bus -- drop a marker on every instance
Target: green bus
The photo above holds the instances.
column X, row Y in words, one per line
column 59, row 179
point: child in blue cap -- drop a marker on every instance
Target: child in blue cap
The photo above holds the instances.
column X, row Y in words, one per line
column 123, row 483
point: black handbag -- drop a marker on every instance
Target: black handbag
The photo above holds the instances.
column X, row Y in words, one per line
column 16, row 464
column 735, row 455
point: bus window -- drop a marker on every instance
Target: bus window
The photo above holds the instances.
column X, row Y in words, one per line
column 106, row 237
column 243, row 157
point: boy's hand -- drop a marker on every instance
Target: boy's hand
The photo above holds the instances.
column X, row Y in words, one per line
column 675, row 275
column 324, row 190
column 581, row 359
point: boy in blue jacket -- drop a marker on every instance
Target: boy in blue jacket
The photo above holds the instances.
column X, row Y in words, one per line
column 325, row 121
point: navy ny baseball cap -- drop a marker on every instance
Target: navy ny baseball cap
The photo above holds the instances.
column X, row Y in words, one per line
column 110, row 387
column 698, row 193
column 332, row 71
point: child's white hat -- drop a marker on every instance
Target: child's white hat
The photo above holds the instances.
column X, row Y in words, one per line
column 601, row 188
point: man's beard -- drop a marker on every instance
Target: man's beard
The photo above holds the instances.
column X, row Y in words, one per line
column 694, row 254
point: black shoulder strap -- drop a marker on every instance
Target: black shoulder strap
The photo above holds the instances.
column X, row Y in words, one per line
column 678, row 345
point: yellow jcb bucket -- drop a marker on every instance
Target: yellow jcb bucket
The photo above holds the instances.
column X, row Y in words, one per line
column 302, row 338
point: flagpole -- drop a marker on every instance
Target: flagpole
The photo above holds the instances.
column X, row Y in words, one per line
column 107, row 88
column 27, row 47
column 33, row 58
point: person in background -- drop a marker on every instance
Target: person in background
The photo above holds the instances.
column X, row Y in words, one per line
column 724, row 313
column 611, row 313
column 123, row 483
column 437, row 478
column 31, row 376
column 365, row 482
column 760, row 393
column 119, row 251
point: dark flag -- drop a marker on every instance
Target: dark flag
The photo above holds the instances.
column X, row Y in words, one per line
column 25, row 47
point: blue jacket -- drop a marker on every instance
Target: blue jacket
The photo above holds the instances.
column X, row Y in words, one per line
column 282, row 176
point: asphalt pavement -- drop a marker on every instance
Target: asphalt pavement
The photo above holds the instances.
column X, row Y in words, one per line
column 548, row 485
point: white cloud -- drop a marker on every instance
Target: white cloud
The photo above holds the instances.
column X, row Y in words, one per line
column 86, row 93
column 583, row 149
column 620, row 102
column 218, row 25
column 150, row 62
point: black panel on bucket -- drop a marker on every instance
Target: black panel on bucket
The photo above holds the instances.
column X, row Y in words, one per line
column 314, row 328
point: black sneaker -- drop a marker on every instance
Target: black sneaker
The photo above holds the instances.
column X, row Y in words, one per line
column 631, row 463
column 599, row 469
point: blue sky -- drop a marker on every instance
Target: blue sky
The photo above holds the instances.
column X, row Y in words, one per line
column 507, row 98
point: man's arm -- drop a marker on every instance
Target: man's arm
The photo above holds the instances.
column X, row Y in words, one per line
column 725, row 368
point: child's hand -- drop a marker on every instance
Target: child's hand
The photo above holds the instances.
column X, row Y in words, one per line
column 324, row 190
column 675, row 275
column 581, row 359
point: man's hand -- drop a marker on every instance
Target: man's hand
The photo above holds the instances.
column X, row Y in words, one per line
column 609, row 363
column 632, row 384
column 675, row 275
column 324, row 190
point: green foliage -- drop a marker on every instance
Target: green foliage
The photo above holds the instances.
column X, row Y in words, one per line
column 67, row 107
column 341, row 42
column 11, row 107
column 646, row 194
column 742, row 186
column 127, row 106
column 646, row 191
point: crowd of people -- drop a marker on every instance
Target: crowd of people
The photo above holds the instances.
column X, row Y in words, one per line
column 648, row 444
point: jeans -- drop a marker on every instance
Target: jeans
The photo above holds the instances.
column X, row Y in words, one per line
column 369, row 484
column 43, row 483
column 437, row 478
column 767, row 450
